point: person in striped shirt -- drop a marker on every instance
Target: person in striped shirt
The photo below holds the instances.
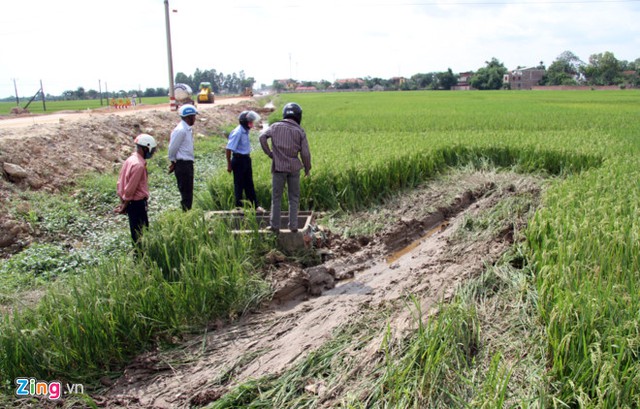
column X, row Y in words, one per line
column 289, row 153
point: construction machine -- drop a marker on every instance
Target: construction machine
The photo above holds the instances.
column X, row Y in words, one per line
column 205, row 95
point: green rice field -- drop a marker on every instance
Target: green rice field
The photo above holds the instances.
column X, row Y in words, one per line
column 37, row 107
column 582, row 245
column 581, row 255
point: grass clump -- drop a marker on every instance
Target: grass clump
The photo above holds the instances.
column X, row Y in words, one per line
column 92, row 324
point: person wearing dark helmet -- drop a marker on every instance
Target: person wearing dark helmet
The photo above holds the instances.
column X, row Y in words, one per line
column 238, row 154
column 289, row 153
column 133, row 188
column 181, row 154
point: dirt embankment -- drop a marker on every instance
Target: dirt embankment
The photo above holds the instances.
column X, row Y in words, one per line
column 49, row 152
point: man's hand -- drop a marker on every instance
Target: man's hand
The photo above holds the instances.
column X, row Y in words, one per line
column 229, row 167
column 121, row 209
column 172, row 167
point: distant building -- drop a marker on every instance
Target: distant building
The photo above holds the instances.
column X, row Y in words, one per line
column 288, row 84
column 306, row 89
column 523, row 78
column 463, row 82
column 397, row 81
column 349, row 81
column 631, row 78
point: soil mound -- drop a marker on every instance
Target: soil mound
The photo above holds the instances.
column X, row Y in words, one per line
column 50, row 157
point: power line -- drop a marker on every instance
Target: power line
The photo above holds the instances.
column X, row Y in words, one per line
column 453, row 3
column 501, row 3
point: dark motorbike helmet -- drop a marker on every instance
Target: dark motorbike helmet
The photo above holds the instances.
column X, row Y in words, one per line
column 248, row 116
column 292, row 111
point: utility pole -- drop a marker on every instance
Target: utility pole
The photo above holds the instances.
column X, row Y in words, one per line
column 172, row 96
column 44, row 106
column 100, row 91
column 16, row 88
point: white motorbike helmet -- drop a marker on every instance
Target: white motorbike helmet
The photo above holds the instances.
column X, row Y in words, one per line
column 146, row 141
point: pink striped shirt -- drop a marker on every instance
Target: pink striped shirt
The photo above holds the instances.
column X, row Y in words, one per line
column 288, row 140
column 132, row 181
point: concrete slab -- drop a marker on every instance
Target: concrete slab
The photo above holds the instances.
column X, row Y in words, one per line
column 287, row 241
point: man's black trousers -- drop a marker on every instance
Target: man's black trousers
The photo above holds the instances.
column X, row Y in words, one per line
column 138, row 218
column 184, row 177
column 243, row 179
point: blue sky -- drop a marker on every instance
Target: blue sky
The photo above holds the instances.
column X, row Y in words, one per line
column 72, row 43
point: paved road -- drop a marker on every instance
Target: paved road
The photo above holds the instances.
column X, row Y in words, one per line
column 26, row 121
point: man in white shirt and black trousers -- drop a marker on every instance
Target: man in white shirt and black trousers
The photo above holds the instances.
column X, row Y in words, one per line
column 181, row 154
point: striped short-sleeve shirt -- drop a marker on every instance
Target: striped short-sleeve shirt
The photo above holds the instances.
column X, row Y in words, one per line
column 289, row 147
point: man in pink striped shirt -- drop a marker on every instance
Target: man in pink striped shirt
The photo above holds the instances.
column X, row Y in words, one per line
column 289, row 153
column 132, row 187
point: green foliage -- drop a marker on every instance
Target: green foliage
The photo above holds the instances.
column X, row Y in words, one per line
column 41, row 262
column 423, row 371
column 96, row 193
column 57, row 214
column 91, row 324
column 359, row 153
column 233, row 83
column 564, row 70
column 446, row 80
column 603, row 69
column 582, row 245
column 489, row 77
column 585, row 244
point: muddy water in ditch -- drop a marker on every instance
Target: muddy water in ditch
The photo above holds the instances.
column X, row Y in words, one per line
column 419, row 258
column 391, row 258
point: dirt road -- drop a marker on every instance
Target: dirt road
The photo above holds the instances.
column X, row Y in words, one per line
column 71, row 116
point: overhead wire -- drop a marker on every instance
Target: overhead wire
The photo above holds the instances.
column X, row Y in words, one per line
column 446, row 3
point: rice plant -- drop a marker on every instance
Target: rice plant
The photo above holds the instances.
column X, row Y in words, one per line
column 582, row 245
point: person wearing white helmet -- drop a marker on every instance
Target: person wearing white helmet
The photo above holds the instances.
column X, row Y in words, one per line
column 181, row 154
column 239, row 146
column 133, row 188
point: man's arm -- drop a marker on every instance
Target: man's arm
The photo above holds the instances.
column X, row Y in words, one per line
column 305, row 154
column 174, row 144
column 228, row 153
column 263, row 143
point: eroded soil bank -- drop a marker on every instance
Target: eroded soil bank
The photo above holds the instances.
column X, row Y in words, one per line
column 423, row 243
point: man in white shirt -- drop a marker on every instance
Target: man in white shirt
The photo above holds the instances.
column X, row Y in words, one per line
column 181, row 154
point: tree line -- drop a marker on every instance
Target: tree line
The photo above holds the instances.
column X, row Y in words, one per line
column 566, row 69
column 234, row 83
column 220, row 83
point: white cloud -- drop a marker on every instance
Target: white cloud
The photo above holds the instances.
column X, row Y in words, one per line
column 72, row 43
